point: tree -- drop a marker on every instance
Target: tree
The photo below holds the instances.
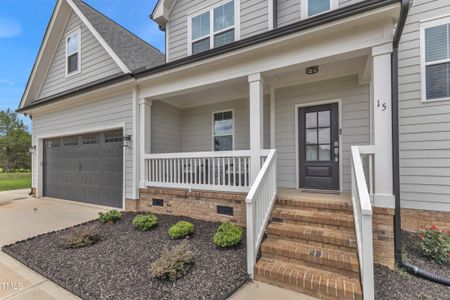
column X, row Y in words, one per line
column 15, row 142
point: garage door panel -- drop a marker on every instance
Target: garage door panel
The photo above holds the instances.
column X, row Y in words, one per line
column 86, row 168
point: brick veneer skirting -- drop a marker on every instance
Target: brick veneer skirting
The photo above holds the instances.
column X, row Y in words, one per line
column 383, row 236
column 195, row 204
column 417, row 219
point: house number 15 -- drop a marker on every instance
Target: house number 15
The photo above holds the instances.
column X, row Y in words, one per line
column 382, row 105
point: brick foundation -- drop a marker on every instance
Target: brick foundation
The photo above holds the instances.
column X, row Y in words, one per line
column 417, row 219
column 195, row 204
column 383, row 236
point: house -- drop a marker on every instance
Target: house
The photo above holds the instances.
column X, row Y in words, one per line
column 304, row 120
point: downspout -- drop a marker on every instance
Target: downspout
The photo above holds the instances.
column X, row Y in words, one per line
column 275, row 13
column 396, row 157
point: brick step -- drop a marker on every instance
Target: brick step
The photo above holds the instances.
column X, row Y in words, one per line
column 303, row 279
column 317, row 204
column 324, row 237
column 294, row 215
column 324, row 258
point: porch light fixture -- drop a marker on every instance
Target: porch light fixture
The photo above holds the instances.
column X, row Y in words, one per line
column 32, row 149
column 312, row 70
column 126, row 140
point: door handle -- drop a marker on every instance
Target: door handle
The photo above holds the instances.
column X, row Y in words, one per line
column 336, row 151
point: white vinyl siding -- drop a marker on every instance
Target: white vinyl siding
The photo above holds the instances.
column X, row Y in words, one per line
column 424, row 126
column 95, row 62
column 355, row 122
column 96, row 114
column 165, row 128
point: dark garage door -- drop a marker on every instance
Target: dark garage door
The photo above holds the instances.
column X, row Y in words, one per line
column 86, row 168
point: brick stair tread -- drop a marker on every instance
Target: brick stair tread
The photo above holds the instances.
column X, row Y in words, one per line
column 317, row 234
column 305, row 202
column 337, row 259
column 329, row 218
column 320, row 283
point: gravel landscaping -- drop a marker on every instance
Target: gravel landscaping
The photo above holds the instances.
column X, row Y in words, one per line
column 401, row 285
column 118, row 266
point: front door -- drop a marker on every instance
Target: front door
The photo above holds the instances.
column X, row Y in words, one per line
column 318, row 128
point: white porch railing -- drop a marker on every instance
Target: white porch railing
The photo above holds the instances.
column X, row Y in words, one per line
column 362, row 211
column 260, row 200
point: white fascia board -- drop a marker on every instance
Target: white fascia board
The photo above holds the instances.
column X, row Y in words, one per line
column 41, row 53
column 105, row 45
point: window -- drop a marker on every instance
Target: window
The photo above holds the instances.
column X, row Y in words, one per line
column 70, row 141
column 89, row 139
column 223, row 131
column 54, row 143
column 73, row 53
column 213, row 28
column 435, row 60
column 113, row 137
column 316, row 7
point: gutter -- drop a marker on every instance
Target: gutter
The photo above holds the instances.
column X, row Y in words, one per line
column 405, row 5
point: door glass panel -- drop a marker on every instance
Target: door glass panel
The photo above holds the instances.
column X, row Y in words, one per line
column 311, row 153
column 324, row 152
column 324, row 118
column 311, row 120
column 311, row 136
column 324, row 135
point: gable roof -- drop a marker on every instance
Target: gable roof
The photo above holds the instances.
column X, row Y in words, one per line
column 131, row 53
column 135, row 53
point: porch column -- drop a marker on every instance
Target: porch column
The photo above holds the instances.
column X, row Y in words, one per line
column 382, row 123
column 256, row 123
column 145, row 136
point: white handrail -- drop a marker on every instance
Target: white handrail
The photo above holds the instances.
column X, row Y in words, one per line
column 220, row 170
column 362, row 212
column 259, row 201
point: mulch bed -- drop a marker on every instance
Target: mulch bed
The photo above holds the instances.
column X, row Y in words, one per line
column 117, row 267
column 401, row 285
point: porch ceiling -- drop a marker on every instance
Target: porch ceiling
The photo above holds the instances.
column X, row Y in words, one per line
column 238, row 89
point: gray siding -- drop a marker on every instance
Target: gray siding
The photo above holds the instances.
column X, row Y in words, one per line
column 424, row 127
column 355, row 122
column 114, row 111
column 253, row 21
column 193, row 131
column 95, row 62
column 166, row 128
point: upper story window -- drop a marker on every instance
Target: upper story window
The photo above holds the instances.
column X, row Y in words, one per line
column 435, row 59
column 73, row 53
column 316, row 7
column 223, row 130
column 213, row 28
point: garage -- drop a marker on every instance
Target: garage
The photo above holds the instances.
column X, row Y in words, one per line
column 86, row 168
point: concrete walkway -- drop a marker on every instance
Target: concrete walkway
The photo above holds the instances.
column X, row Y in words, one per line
column 22, row 217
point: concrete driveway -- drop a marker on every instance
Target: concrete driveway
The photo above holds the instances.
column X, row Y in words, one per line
column 22, row 217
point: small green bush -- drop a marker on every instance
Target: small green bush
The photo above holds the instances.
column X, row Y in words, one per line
column 228, row 235
column 80, row 237
column 111, row 216
column 173, row 264
column 145, row 222
column 181, row 230
column 435, row 243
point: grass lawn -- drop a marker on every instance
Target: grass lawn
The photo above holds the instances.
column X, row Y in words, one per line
column 14, row 181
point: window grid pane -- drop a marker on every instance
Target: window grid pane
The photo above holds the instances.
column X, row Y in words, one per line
column 72, row 63
column 200, row 46
column 438, row 81
column 318, row 6
column 200, row 26
column 224, row 38
column 437, row 43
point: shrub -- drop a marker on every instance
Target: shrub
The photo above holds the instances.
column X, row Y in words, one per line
column 435, row 243
column 228, row 235
column 110, row 216
column 145, row 222
column 181, row 230
column 174, row 263
column 80, row 237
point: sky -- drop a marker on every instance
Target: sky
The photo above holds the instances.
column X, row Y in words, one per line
column 22, row 28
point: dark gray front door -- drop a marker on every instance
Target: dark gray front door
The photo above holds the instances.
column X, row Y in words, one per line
column 319, row 147
column 86, row 168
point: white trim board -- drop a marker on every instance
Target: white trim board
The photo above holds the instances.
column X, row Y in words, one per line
column 297, row 163
column 40, row 151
